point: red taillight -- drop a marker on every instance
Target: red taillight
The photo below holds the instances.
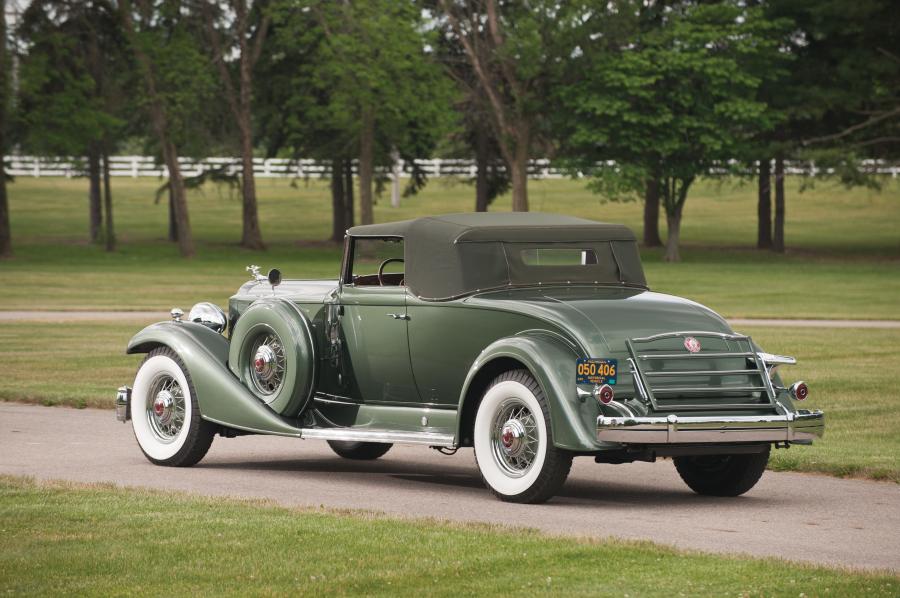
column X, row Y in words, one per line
column 799, row 391
column 605, row 394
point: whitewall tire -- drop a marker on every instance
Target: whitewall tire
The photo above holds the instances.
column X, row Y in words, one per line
column 164, row 412
column 514, row 442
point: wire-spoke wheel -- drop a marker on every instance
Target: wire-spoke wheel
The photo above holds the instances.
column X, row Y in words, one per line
column 513, row 441
column 165, row 408
column 514, row 437
column 268, row 363
column 166, row 418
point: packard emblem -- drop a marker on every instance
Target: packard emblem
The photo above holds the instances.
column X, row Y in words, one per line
column 691, row 344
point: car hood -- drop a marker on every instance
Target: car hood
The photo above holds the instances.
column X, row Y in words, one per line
column 601, row 319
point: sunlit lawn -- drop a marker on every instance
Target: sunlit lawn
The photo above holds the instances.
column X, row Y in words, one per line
column 843, row 262
column 62, row 539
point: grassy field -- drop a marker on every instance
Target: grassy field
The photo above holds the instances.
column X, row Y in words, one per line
column 844, row 258
column 63, row 539
column 852, row 375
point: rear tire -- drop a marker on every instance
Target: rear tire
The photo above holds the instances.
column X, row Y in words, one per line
column 722, row 475
column 514, row 441
column 359, row 451
column 165, row 415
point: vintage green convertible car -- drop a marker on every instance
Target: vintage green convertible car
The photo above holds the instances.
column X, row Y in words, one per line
column 531, row 337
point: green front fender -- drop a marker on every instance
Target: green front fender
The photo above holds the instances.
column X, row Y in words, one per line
column 221, row 396
column 551, row 360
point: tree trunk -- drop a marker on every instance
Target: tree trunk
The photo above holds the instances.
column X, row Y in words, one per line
column 173, row 223
column 673, row 223
column 110, row 236
column 481, row 170
column 338, row 209
column 161, row 128
column 764, row 207
column 252, row 235
column 778, row 242
column 349, row 217
column 5, row 238
column 95, row 215
column 366, row 166
column 176, row 184
column 674, row 195
column 651, row 214
column 519, row 167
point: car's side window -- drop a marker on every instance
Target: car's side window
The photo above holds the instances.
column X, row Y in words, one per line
column 377, row 261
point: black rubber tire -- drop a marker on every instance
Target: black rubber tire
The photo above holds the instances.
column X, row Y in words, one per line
column 200, row 432
column 557, row 462
column 359, row 451
column 722, row 475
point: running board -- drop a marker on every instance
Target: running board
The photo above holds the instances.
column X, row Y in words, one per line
column 383, row 436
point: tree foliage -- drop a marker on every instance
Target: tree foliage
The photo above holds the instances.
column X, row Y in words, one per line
column 671, row 103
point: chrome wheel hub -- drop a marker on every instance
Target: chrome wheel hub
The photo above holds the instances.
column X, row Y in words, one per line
column 267, row 367
column 514, row 438
column 163, row 406
column 166, row 410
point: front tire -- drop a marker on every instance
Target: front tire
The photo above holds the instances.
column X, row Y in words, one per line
column 164, row 412
column 514, row 442
column 722, row 475
column 359, row 451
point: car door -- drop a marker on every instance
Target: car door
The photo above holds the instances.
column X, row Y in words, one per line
column 373, row 329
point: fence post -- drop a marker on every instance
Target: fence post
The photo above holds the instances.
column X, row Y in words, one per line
column 36, row 169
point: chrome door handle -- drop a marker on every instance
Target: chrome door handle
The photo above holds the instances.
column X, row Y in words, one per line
column 399, row 316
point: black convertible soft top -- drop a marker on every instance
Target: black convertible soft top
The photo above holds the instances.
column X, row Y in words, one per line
column 457, row 254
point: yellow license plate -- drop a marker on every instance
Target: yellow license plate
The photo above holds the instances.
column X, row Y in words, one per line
column 596, row 371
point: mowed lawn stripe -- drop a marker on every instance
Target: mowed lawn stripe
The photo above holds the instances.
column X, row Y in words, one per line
column 97, row 541
column 843, row 259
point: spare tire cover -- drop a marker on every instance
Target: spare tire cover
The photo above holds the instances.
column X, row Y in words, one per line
column 274, row 354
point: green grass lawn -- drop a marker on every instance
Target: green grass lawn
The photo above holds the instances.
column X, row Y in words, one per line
column 852, row 376
column 97, row 541
column 844, row 258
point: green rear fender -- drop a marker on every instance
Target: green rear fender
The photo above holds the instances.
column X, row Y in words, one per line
column 551, row 360
column 222, row 397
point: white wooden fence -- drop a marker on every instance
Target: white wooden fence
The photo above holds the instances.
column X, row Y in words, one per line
column 146, row 166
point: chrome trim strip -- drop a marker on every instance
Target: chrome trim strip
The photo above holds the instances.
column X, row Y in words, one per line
column 775, row 360
column 699, row 355
column 386, row 436
column 355, row 435
column 712, row 406
column 708, row 390
column 703, row 373
column 671, row 429
column 249, row 429
column 638, row 378
column 721, row 335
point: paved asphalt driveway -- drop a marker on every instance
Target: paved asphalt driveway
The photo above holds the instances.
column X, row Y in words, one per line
column 803, row 517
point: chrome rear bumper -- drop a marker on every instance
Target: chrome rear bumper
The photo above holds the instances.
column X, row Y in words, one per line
column 672, row 429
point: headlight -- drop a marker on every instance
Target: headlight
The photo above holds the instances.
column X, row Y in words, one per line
column 210, row 315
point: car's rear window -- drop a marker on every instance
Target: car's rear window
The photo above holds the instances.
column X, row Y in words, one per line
column 554, row 256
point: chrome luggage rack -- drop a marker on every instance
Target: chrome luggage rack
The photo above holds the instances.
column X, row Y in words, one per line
column 654, row 393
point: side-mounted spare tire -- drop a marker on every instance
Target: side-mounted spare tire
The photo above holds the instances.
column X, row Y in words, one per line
column 273, row 352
